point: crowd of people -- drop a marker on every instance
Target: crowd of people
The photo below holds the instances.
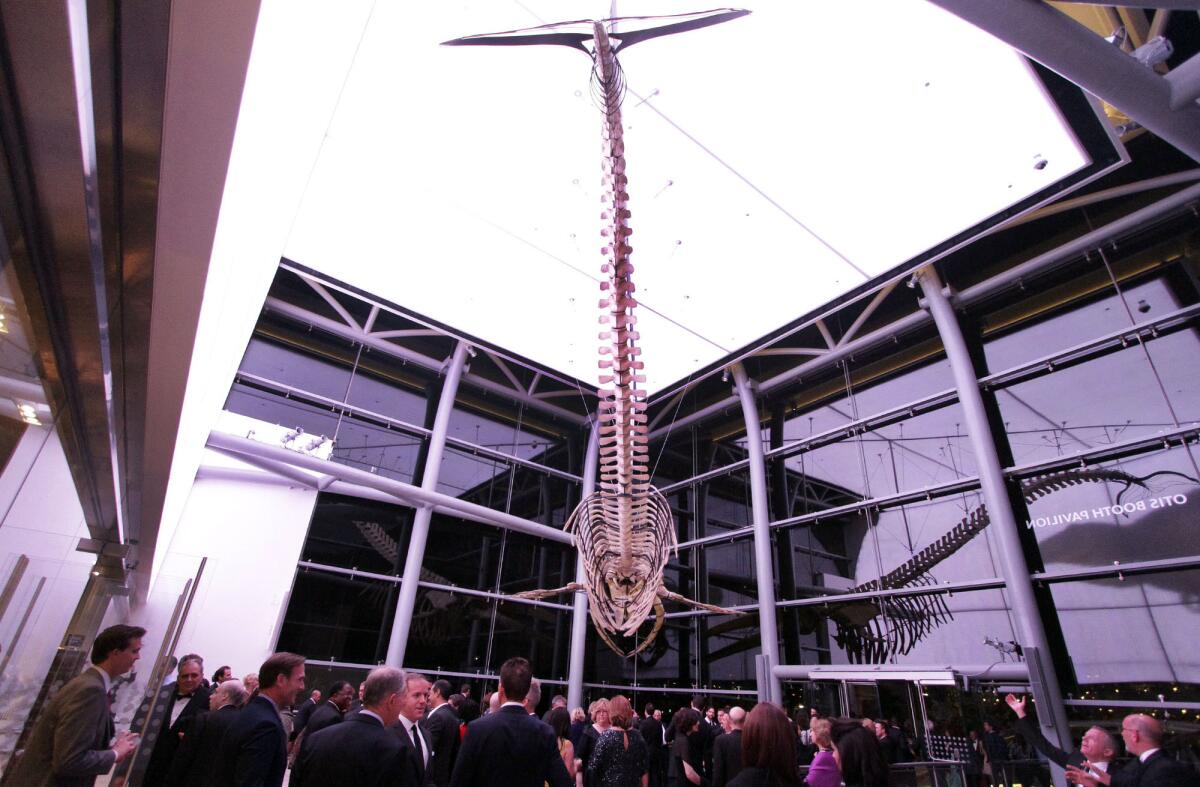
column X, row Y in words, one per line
column 402, row 730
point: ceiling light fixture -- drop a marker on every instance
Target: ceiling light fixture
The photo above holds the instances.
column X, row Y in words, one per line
column 28, row 413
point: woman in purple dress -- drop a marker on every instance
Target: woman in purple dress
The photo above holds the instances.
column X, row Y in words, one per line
column 824, row 770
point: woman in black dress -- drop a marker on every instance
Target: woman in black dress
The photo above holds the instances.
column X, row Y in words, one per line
column 685, row 751
column 620, row 759
column 601, row 721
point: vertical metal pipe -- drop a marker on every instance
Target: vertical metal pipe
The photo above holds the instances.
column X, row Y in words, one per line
column 402, row 621
column 760, row 511
column 579, row 610
column 1004, row 525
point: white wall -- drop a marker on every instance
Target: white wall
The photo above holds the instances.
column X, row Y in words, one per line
column 40, row 517
column 251, row 527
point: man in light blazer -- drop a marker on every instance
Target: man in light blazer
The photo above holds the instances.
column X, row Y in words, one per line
column 69, row 746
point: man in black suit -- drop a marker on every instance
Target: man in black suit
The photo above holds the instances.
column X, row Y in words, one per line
column 254, row 752
column 727, row 749
column 1143, row 736
column 201, row 743
column 510, row 748
column 333, row 710
column 653, row 733
column 303, row 713
column 410, row 730
column 180, row 702
column 1097, row 748
column 362, row 751
column 442, row 725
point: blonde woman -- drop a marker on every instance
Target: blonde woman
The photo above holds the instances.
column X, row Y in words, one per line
column 601, row 722
column 620, row 759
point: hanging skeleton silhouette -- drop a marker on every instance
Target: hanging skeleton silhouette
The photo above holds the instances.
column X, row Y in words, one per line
column 874, row 630
column 624, row 530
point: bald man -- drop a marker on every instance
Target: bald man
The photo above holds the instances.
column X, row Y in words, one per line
column 1143, row 736
column 1096, row 750
column 727, row 749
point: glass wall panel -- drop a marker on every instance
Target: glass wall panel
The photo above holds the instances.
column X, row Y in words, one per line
column 1156, row 615
column 350, row 532
column 387, row 398
column 390, row 453
column 449, row 631
column 336, row 617
column 1144, row 507
column 275, row 409
column 299, row 369
column 463, row 553
column 1111, row 399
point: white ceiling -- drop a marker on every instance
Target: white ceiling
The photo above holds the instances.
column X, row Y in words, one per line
column 776, row 162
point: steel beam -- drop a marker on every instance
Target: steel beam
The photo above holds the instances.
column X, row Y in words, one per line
column 1058, row 42
column 1015, row 671
column 1004, row 526
column 760, row 512
column 254, row 452
column 579, row 611
column 407, row 599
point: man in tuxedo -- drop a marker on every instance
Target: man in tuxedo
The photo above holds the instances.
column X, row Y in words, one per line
column 510, row 748
column 557, row 701
column 656, row 745
column 1143, row 736
column 69, row 746
column 254, row 751
column 304, row 712
column 1097, row 748
column 727, row 749
column 333, row 710
column 362, row 751
column 408, row 726
column 180, row 702
column 442, row 725
column 201, row 743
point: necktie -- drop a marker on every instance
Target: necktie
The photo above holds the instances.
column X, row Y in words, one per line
column 417, row 742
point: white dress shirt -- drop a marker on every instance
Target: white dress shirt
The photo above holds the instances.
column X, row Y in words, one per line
column 409, row 728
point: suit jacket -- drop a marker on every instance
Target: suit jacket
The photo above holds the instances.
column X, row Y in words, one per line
column 166, row 742
column 69, row 743
column 1034, row 737
column 727, row 757
column 326, row 715
column 652, row 732
column 424, row 771
column 1159, row 770
column 199, row 751
column 303, row 714
column 359, row 752
column 509, row 749
column 442, row 728
column 254, row 751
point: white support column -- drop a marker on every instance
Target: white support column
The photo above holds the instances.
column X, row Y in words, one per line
column 767, row 624
column 420, row 528
column 579, row 611
column 1004, row 528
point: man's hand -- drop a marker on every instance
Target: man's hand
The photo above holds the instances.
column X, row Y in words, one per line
column 125, row 744
column 1089, row 777
column 1018, row 705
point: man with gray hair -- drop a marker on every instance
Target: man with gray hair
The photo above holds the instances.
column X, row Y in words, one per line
column 727, row 749
column 533, row 697
column 201, row 744
column 1096, row 749
column 362, row 751
column 409, row 726
column 557, row 701
column 1143, row 737
column 180, row 702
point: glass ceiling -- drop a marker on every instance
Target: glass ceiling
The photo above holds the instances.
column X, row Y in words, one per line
column 776, row 162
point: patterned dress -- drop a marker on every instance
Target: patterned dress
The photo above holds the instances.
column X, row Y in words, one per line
column 619, row 760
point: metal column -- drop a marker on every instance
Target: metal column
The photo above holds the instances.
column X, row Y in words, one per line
column 420, row 529
column 1004, row 526
column 767, row 627
column 579, row 611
